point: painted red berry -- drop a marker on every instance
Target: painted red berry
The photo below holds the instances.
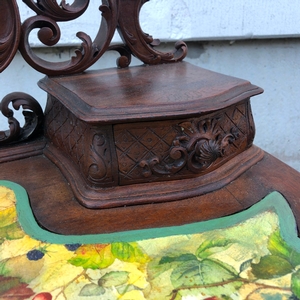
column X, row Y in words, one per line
column 42, row 296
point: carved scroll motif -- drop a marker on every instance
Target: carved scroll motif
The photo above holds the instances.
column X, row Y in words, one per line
column 98, row 169
column 140, row 43
column 9, row 31
column 32, row 112
column 199, row 146
column 49, row 12
column 122, row 15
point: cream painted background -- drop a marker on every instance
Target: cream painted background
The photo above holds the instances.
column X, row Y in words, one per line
column 257, row 40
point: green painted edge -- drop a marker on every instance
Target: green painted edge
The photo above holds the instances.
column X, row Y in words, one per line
column 273, row 202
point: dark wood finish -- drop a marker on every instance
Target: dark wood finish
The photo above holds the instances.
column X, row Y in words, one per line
column 56, row 209
column 147, row 93
column 113, row 128
column 121, row 15
column 33, row 115
column 10, row 30
column 151, row 146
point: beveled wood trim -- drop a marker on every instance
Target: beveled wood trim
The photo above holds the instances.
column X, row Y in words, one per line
column 154, row 192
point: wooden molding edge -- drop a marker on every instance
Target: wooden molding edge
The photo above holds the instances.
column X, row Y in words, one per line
column 158, row 192
column 22, row 150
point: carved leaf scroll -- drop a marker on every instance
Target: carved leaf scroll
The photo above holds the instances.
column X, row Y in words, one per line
column 32, row 112
column 140, row 43
column 9, row 31
column 49, row 12
column 58, row 12
column 123, row 15
column 197, row 148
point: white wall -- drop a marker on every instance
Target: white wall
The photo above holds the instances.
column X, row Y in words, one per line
column 223, row 33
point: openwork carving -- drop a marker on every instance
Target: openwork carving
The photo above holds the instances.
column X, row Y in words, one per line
column 122, row 15
column 199, row 146
column 49, row 12
column 32, row 112
column 142, row 44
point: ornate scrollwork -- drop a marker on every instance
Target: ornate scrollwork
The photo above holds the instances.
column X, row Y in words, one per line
column 9, row 31
column 32, row 112
column 199, row 146
column 123, row 15
column 98, row 169
column 49, row 34
column 140, row 43
column 62, row 12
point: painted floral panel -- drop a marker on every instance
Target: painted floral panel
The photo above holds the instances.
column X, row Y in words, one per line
column 252, row 255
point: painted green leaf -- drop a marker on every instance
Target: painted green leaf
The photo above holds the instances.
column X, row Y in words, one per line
column 114, row 278
column 209, row 275
column 8, row 216
column 209, row 247
column 129, row 252
column 279, row 247
column 295, row 285
column 98, row 256
column 123, row 289
column 215, row 270
column 12, row 232
column 180, row 258
column 92, row 290
column 271, row 266
column 187, row 274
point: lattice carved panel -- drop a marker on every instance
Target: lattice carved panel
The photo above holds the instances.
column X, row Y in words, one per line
column 155, row 151
column 87, row 147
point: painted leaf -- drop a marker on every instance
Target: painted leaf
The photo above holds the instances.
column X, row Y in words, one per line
column 98, row 256
column 123, row 289
column 6, row 283
column 187, row 274
column 279, row 247
column 295, row 286
column 208, row 275
column 271, row 266
column 8, row 216
column 21, row 267
column 114, row 278
column 180, row 258
column 215, row 270
column 209, row 247
column 129, row 252
column 11, row 232
column 20, row 292
column 92, row 290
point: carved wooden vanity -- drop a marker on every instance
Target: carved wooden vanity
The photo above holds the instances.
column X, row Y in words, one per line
column 161, row 144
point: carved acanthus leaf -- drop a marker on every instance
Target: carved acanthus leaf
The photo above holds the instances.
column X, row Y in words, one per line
column 196, row 149
column 33, row 115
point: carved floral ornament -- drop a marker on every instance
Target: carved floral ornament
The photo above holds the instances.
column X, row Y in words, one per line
column 121, row 15
column 196, row 149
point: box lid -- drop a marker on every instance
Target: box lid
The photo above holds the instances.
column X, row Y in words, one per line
column 146, row 93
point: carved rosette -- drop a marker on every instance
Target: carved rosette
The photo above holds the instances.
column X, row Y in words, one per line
column 33, row 115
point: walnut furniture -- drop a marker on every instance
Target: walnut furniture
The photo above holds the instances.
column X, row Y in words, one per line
column 161, row 144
